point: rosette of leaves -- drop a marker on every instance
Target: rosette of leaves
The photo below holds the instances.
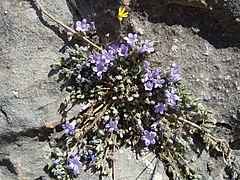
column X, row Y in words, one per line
column 127, row 101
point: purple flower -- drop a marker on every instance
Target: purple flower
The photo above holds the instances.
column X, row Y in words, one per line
column 81, row 79
column 131, row 39
column 95, row 58
column 75, row 164
column 93, row 27
column 114, row 47
column 148, row 76
column 112, row 125
column 174, row 75
column 99, row 69
column 160, row 108
column 58, row 173
column 149, row 137
column 123, row 50
column 158, row 82
column 79, row 67
column 147, row 47
column 55, row 162
column 147, row 65
column 162, row 127
column 82, row 26
column 68, row 50
column 108, row 55
column 69, row 127
column 70, row 72
column 156, row 71
column 61, row 71
column 148, row 86
column 92, row 156
column 172, row 98
column 95, row 38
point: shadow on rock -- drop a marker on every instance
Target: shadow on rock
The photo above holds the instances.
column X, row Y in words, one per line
column 218, row 26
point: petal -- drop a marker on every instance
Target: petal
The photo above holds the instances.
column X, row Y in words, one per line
column 71, row 166
column 143, row 138
column 147, row 142
column 153, row 141
column 146, row 132
column 154, row 134
column 120, row 10
column 125, row 14
column 66, row 131
column 78, row 23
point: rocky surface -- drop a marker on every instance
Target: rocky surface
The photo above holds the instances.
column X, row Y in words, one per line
column 202, row 36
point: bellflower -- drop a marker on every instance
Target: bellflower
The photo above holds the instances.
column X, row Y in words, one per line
column 94, row 58
column 108, row 55
column 95, row 38
column 160, row 108
column 148, row 76
column 112, row 125
column 69, row 127
column 123, row 50
column 81, row 79
column 93, row 27
column 174, row 75
column 158, row 83
column 68, row 50
column 79, row 66
column 75, row 164
column 147, row 65
column 148, row 86
column 156, row 72
column 172, row 98
column 147, row 47
column 99, row 69
column 149, row 137
column 82, row 26
column 92, row 156
column 131, row 39
column 113, row 47
column 55, row 162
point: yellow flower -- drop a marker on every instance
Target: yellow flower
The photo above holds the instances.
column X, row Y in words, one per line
column 122, row 14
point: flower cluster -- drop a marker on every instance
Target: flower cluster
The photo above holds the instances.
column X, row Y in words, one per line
column 153, row 79
column 101, row 62
column 125, row 101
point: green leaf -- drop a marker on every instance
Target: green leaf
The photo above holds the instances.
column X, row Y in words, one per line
column 56, row 66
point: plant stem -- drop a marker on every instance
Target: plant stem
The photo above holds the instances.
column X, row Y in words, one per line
column 174, row 116
column 90, row 126
column 78, row 35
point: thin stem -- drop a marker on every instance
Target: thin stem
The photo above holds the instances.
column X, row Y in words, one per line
column 66, row 27
column 98, row 117
column 174, row 116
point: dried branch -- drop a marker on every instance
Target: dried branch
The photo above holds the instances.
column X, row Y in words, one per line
column 78, row 35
